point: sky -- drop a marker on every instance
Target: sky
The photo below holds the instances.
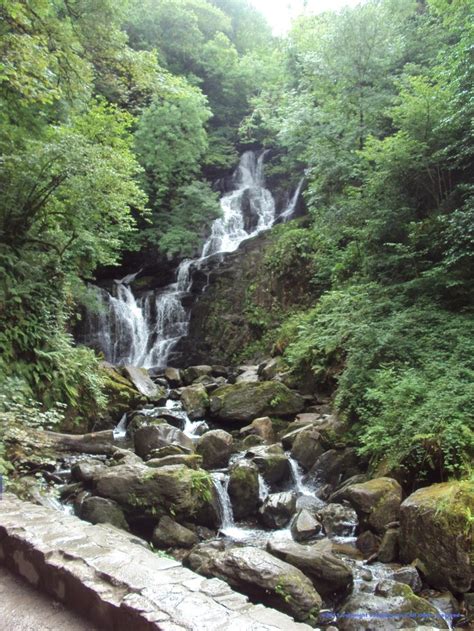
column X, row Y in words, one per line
column 280, row 12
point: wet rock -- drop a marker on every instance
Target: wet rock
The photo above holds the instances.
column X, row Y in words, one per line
column 189, row 375
column 333, row 467
column 409, row 576
column 173, row 377
column 215, row 447
column 261, row 576
column 247, row 401
column 272, row 463
column 262, row 427
column 368, row 543
column 138, row 420
column 195, row 401
column 98, row 510
column 244, row 489
column 393, row 606
column 305, row 526
column 145, row 386
column 307, row 447
column 146, row 491
column 85, row 470
column 331, row 577
column 193, row 461
column 435, row 529
column 170, row 534
column 152, row 437
column 389, row 547
column 338, row 520
column 377, row 502
column 277, row 509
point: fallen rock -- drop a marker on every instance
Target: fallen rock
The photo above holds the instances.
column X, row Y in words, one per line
column 331, row 577
column 305, row 526
column 244, row 491
column 195, row 401
column 338, row 520
column 98, row 510
column 261, row 576
column 170, row 534
column 307, row 447
column 145, row 386
column 436, row 530
column 377, row 502
column 149, row 438
column 247, row 401
column 277, row 509
column 215, row 447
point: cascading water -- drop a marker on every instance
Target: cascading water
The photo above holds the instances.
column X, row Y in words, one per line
column 144, row 331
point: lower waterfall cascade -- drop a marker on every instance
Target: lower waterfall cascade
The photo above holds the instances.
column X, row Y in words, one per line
column 143, row 331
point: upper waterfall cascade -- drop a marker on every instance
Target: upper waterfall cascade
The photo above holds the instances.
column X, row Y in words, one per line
column 143, row 331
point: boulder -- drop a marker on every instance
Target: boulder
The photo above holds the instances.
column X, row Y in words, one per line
column 84, row 470
column 368, row 543
column 122, row 396
column 244, row 489
column 262, row 427
column 152, row 437
column 271, row 462
column 249, row 375
column 261, row 576
column 377, row 502
column 389, row 547
column 409, row 576
column 270, row 369
column 331, row 577
column 195, row 401
column 333, row 467
column 145, row 386
column 305, row 526
column 170, row 534
column 277, row 509
column 393, row 606
column 98, row 510
column 307, row 447
column 436, row 530
column 173, row 377
column 242, row 402
column 146, row 491
column 193, row 461
column 338, row 520
column 215, row 447
column 189, row 375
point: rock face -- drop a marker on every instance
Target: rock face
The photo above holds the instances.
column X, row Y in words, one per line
column 152, row 437
column 262, row 576
column 170, row 534
column 195, row 401
column 435, row 529
column 143, row 490
column 331, row 577
column 215, row 447
column 243, row 402
column 244, row 489
column 377, row 502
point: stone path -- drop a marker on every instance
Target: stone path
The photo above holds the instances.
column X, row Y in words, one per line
column 23, row 608
column 116, row 581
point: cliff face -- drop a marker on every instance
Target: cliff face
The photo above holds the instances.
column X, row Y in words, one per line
column 238, row 302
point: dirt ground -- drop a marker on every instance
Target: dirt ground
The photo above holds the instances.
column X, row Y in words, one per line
column 22, row 608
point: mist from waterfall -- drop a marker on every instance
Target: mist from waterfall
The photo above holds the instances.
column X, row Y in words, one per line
column 144, row 331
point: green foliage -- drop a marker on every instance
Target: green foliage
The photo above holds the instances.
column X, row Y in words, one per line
column 201, row 485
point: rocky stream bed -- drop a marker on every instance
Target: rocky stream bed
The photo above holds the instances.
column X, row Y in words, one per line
column 242, row 478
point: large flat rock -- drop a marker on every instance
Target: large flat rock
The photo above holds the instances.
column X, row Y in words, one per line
column 118, row 583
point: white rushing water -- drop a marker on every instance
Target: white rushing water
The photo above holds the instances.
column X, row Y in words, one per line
column 143, row 331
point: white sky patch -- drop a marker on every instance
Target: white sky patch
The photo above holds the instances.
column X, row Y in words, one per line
column 279, row 13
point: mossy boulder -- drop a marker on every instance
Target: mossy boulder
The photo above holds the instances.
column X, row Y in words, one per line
column 175, row 490
column 271, row 462
column 121, row 393
column 376, row 502
column 243, row 402
column 436, row 528
column 244, row 489
column 195, row 401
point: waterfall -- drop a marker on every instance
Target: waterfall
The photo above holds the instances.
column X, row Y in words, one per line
column 144, row 331
column 287, row 214
column 221, row 484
